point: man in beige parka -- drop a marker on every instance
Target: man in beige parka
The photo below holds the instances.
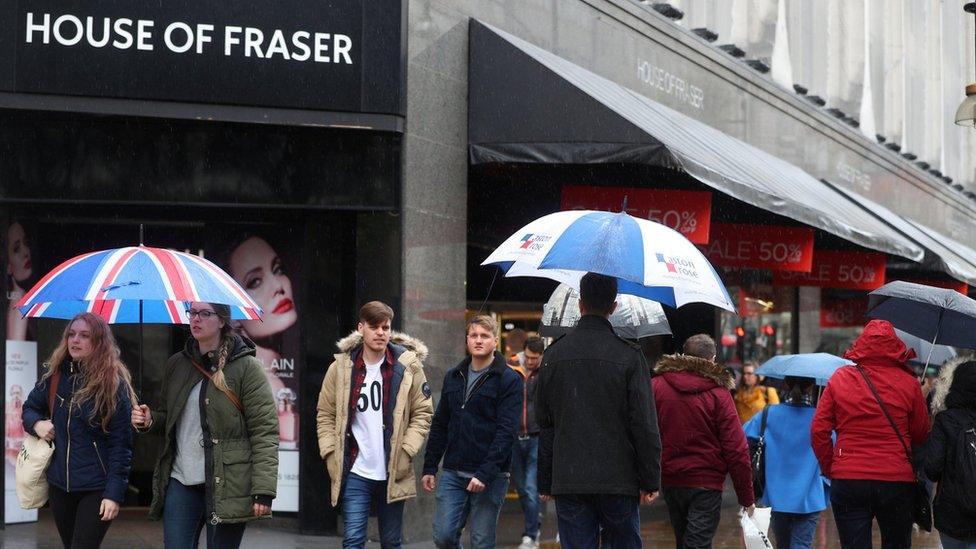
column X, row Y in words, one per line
column 374, row 413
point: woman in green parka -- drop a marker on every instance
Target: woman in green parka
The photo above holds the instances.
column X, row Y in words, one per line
column 219, row 466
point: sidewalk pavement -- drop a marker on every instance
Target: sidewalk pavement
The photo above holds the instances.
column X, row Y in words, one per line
column 131, row 530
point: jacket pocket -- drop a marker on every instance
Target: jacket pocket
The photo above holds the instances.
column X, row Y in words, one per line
column 404, row 465
column 233, row 486
column 101, row 462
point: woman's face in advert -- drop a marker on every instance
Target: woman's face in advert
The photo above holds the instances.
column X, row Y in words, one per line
column 18, row 253
column 257, row 268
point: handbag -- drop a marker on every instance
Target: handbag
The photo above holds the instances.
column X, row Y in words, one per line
column 921, row 502
column 757, row 457
column 33, row 460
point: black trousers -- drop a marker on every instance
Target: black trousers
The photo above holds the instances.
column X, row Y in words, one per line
column 857, row 503
column 695, row 513
column 76, row 516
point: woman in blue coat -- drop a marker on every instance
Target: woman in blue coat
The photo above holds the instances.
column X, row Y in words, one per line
column 795, row 489
column 89, row 473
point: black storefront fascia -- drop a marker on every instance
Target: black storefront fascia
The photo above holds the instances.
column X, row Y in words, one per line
column 98, row 140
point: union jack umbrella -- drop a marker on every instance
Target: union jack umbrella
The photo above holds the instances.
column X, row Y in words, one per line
column 135, row 285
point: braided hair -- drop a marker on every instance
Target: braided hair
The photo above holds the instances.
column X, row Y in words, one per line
column 225, row 346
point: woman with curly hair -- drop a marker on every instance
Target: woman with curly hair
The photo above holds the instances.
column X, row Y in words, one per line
column 219, row 467
column 93, row 400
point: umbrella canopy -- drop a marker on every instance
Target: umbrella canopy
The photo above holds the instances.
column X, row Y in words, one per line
column 937, row 315
column 135, row 284
column 649, row 260
column 633, row 318
column 940, row 354
column 819, row 366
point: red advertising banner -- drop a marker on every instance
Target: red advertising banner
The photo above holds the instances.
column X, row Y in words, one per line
column 688, row 212
column 960, row 287
column 843, row 313
column 848, row 270
column 761, row 247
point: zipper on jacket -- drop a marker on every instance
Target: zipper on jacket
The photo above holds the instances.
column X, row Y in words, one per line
column 67, row 458
column 525, row 407
column 477, row 385
column 99, row 456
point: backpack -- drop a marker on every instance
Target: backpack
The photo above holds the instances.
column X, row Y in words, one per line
column 964, row 468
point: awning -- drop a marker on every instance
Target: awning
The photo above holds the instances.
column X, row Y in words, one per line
column 938, row 256
column 527, row 105
column 956, row 248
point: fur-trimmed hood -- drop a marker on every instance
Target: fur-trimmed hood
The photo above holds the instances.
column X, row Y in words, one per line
column 947, row 375
column 705, row 369
column 355, row 339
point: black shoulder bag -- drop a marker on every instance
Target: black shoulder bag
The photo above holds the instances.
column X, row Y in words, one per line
column 921, row 502
column 757, row 455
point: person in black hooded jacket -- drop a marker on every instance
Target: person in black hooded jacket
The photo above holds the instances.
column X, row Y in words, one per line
column 954, row 406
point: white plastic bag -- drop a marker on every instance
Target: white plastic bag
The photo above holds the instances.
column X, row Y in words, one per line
column 755, row 528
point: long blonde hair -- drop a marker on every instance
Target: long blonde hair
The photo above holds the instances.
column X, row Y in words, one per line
column 102, row 370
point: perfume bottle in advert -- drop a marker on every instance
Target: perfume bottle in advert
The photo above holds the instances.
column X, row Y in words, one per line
column 287, row 419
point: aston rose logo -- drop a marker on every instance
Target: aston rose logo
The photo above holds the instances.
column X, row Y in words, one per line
column 534, row 242
column 678, row 265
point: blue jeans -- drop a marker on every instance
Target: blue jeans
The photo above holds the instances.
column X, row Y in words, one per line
column 184, row 515
column 793, row 530
column 582, row 517
column 455, row 505
column 949, row 542
column 358, row 495
column 525, row 461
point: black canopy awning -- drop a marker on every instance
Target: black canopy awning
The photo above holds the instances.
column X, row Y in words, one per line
column 527, row 105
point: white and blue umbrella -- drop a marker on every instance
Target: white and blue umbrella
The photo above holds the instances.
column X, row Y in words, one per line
column 648, row 259
column 819, row 366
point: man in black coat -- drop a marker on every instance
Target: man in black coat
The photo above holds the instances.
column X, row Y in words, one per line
column 599, row 447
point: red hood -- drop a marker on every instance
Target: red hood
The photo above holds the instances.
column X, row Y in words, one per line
column 879, row 345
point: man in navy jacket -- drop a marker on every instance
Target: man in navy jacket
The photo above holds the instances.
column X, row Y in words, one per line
column 473, row 431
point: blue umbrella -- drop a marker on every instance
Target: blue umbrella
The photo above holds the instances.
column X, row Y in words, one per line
column 819, row 366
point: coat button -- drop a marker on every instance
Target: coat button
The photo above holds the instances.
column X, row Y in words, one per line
column 217, row 480
column 206, row 401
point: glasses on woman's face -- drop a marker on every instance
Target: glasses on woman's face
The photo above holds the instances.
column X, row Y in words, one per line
column 204, row 315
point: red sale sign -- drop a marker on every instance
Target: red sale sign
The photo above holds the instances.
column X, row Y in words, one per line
column 848, row 270
column 688, row 212
column 843, row 313
column 760, row 247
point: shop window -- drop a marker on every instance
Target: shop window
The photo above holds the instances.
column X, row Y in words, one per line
column 763, row 328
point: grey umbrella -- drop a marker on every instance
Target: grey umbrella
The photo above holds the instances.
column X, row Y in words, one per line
column 634, row 318
column 939, row 355
column 936, row 315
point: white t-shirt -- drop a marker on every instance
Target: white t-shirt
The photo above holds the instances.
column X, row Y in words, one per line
column 367, row 426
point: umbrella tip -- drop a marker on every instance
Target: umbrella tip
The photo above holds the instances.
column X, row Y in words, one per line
column 623, row 206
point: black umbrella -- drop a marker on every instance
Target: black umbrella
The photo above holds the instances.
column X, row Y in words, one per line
column 937, row 315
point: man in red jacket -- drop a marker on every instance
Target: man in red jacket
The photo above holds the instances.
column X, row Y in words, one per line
column 702, row 441
column 872, row 476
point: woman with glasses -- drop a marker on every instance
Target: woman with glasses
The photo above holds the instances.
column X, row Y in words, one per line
column 219, row 467
column 93, row 397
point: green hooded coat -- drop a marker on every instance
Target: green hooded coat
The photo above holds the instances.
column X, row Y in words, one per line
column 241, row 448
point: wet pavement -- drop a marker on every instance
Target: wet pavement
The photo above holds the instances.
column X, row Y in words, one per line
column 131, row 530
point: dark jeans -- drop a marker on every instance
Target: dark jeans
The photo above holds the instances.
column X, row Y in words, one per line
column 694, row 513
column 359, row 494
column 582, row 517
column 455, row 506
column 857, row 502
column 525, row 459
column 76, row 516
column 184, row 515
column 794, row 530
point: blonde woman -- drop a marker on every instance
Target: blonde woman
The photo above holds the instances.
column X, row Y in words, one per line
column 220, row 465
column 89, row 473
